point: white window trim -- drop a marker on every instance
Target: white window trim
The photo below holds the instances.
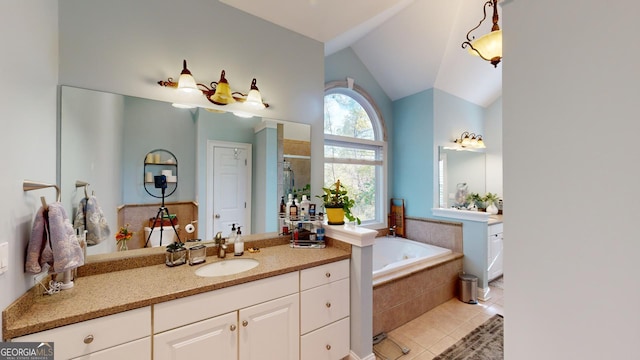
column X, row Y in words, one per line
column 366, row 101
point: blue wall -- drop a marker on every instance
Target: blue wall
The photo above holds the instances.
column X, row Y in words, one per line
column 346, row 63
column 150, row 125
column 413, row 149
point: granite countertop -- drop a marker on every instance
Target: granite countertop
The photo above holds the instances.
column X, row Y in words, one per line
column 495, row 219
column 113, row 292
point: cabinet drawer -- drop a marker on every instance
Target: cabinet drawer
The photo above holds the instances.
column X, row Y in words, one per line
column 328, row 343
column 74, row 340
column 495, row 229
column 323, row 305
column 188, row 310
column 138, row 349
column 324, row 274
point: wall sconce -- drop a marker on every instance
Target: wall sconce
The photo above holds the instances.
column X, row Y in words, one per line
column 470, row 140
column 488, row 46
column 218, row 93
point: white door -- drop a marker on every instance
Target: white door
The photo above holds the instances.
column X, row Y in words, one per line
column 228, row 187
column 271, row 330
column 215, row 338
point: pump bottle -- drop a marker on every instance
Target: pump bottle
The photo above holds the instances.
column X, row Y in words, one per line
column 238, row 246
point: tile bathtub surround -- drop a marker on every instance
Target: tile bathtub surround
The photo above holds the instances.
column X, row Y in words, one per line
column 398, row 302
column 435, row 232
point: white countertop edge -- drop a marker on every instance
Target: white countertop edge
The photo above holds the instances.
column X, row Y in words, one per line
column 352, row 234
column 479, row 216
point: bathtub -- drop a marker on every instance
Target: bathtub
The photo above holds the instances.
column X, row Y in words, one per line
column 396, row 257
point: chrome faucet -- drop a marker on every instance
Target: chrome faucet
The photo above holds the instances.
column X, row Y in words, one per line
column 222, row 247
column 392, row 231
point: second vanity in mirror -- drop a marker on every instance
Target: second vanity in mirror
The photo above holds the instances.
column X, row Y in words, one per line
column 460, row 166
column 104, row 141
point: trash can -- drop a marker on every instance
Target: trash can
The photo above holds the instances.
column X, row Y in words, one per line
column 468, row 288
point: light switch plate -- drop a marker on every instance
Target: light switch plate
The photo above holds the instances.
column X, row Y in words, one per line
column 4, row 257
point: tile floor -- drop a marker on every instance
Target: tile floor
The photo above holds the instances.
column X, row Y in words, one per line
column 433, row 332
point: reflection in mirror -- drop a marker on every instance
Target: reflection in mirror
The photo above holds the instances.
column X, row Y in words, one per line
column 459, row 167
column 104, row 140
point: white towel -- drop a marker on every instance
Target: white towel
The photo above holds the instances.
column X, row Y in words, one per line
column 90, row 217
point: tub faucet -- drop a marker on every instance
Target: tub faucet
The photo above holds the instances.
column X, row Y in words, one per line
column 392, row 231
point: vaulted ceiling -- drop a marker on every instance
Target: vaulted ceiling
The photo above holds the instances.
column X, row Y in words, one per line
column 407, row 45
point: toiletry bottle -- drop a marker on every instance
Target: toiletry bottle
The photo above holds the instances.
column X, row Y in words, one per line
column 304, row 208
column 238, row 246
column 232, row 235
column 293, row 211
column 289, row 202
column 283, row 207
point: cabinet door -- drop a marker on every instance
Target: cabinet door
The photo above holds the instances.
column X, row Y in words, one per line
column 139, row 349
column 495, row 256
column 216, row 337
column 270, row 331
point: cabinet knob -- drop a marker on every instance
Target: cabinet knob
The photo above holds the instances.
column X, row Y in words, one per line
column 245, row 323
column 88, row 339
column 232, row 327
column 328, row 347
column 328, row 304
column 328, row 274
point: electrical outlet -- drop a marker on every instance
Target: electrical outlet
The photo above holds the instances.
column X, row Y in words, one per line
column 4, row 257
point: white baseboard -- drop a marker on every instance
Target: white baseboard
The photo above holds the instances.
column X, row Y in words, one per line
column 484, row 294
column 353, row 356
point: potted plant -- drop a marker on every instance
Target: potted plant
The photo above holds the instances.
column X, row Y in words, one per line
column 474, row 199
column 176, row 254
column 338, row 204
column 490, row 200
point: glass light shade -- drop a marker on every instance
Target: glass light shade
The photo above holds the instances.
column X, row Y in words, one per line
column 254, row 99
column 480, row 144
column 222, row 96
column 489, row 45
column 186, row 83
column 466, row 141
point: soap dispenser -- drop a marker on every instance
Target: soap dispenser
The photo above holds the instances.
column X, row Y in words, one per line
column 232, row 235
column 238, row 246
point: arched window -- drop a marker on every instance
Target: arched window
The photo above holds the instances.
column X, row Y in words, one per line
column 355, row 149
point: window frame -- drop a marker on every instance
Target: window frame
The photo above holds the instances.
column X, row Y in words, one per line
column 348, row 88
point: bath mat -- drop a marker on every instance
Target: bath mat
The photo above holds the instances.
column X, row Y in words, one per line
column 486, row 342
column 389, row 349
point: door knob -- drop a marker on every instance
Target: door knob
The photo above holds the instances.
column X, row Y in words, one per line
column 217, row 216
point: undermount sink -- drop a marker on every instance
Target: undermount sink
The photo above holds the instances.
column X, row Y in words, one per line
column 227, row 267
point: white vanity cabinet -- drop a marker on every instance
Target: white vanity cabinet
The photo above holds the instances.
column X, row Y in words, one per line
column 124, row 335
column 324, row 305
column 256, row 320
column 495, row 251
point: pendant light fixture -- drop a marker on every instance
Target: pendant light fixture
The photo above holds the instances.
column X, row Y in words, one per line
column 488, row 46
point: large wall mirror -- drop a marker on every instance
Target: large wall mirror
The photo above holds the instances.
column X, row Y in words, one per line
column 456, row 167
column 104, row 139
